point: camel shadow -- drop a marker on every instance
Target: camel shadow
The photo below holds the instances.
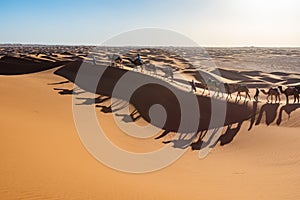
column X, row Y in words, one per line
column 113, row 107
column 183, row 141
column 59, row 83
column 230, row 133
column 288, row 109
column 270, row 111
column 132, row 117
column 105, row 109
column 253, row 115
column 199, row 143
column 91, row 101
column 68, row 91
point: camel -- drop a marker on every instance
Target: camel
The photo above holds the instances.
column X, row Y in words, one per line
column 119, row 61
column 229, row 89
column 272, row 92
column 232, row 88
column 168, row 72
column 207, row 86
column 213, row 85
column 116, row 60
column 243, row 88
column 203, row 86
column 290, row 91
column 151, row 68
column 136, row 62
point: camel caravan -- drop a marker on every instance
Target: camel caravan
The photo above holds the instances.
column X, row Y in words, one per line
column 142, row 66
column 219, row 88
column 230, row 88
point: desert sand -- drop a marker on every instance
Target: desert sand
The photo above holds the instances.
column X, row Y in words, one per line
column 42, row 156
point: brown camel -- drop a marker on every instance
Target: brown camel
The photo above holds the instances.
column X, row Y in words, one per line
column 136, row 62
column 118, row 61
column 290, row 91
column 272, row 92
column 203, row 86
column 243, row 88
column 232, row 88
column 229, row 89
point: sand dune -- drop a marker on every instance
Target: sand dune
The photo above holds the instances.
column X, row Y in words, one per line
column 255, row 157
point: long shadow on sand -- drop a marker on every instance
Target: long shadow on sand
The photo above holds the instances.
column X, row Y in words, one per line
column 288, row 109
column 68, row 91
column 270, row 111
column 158, row 92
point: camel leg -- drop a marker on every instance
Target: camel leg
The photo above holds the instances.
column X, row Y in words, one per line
column 271, row 98
column 296, row 97
column 248, row 96
column 228, row 95
column 215, row 93
column 239, row 94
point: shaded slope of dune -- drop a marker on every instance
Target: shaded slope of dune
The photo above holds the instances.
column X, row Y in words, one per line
column 16, row 66
column 155, row 91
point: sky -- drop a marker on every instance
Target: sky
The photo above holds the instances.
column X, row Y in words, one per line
column 207, row 22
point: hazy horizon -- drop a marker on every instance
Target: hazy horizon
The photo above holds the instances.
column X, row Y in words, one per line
column 44, row 44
